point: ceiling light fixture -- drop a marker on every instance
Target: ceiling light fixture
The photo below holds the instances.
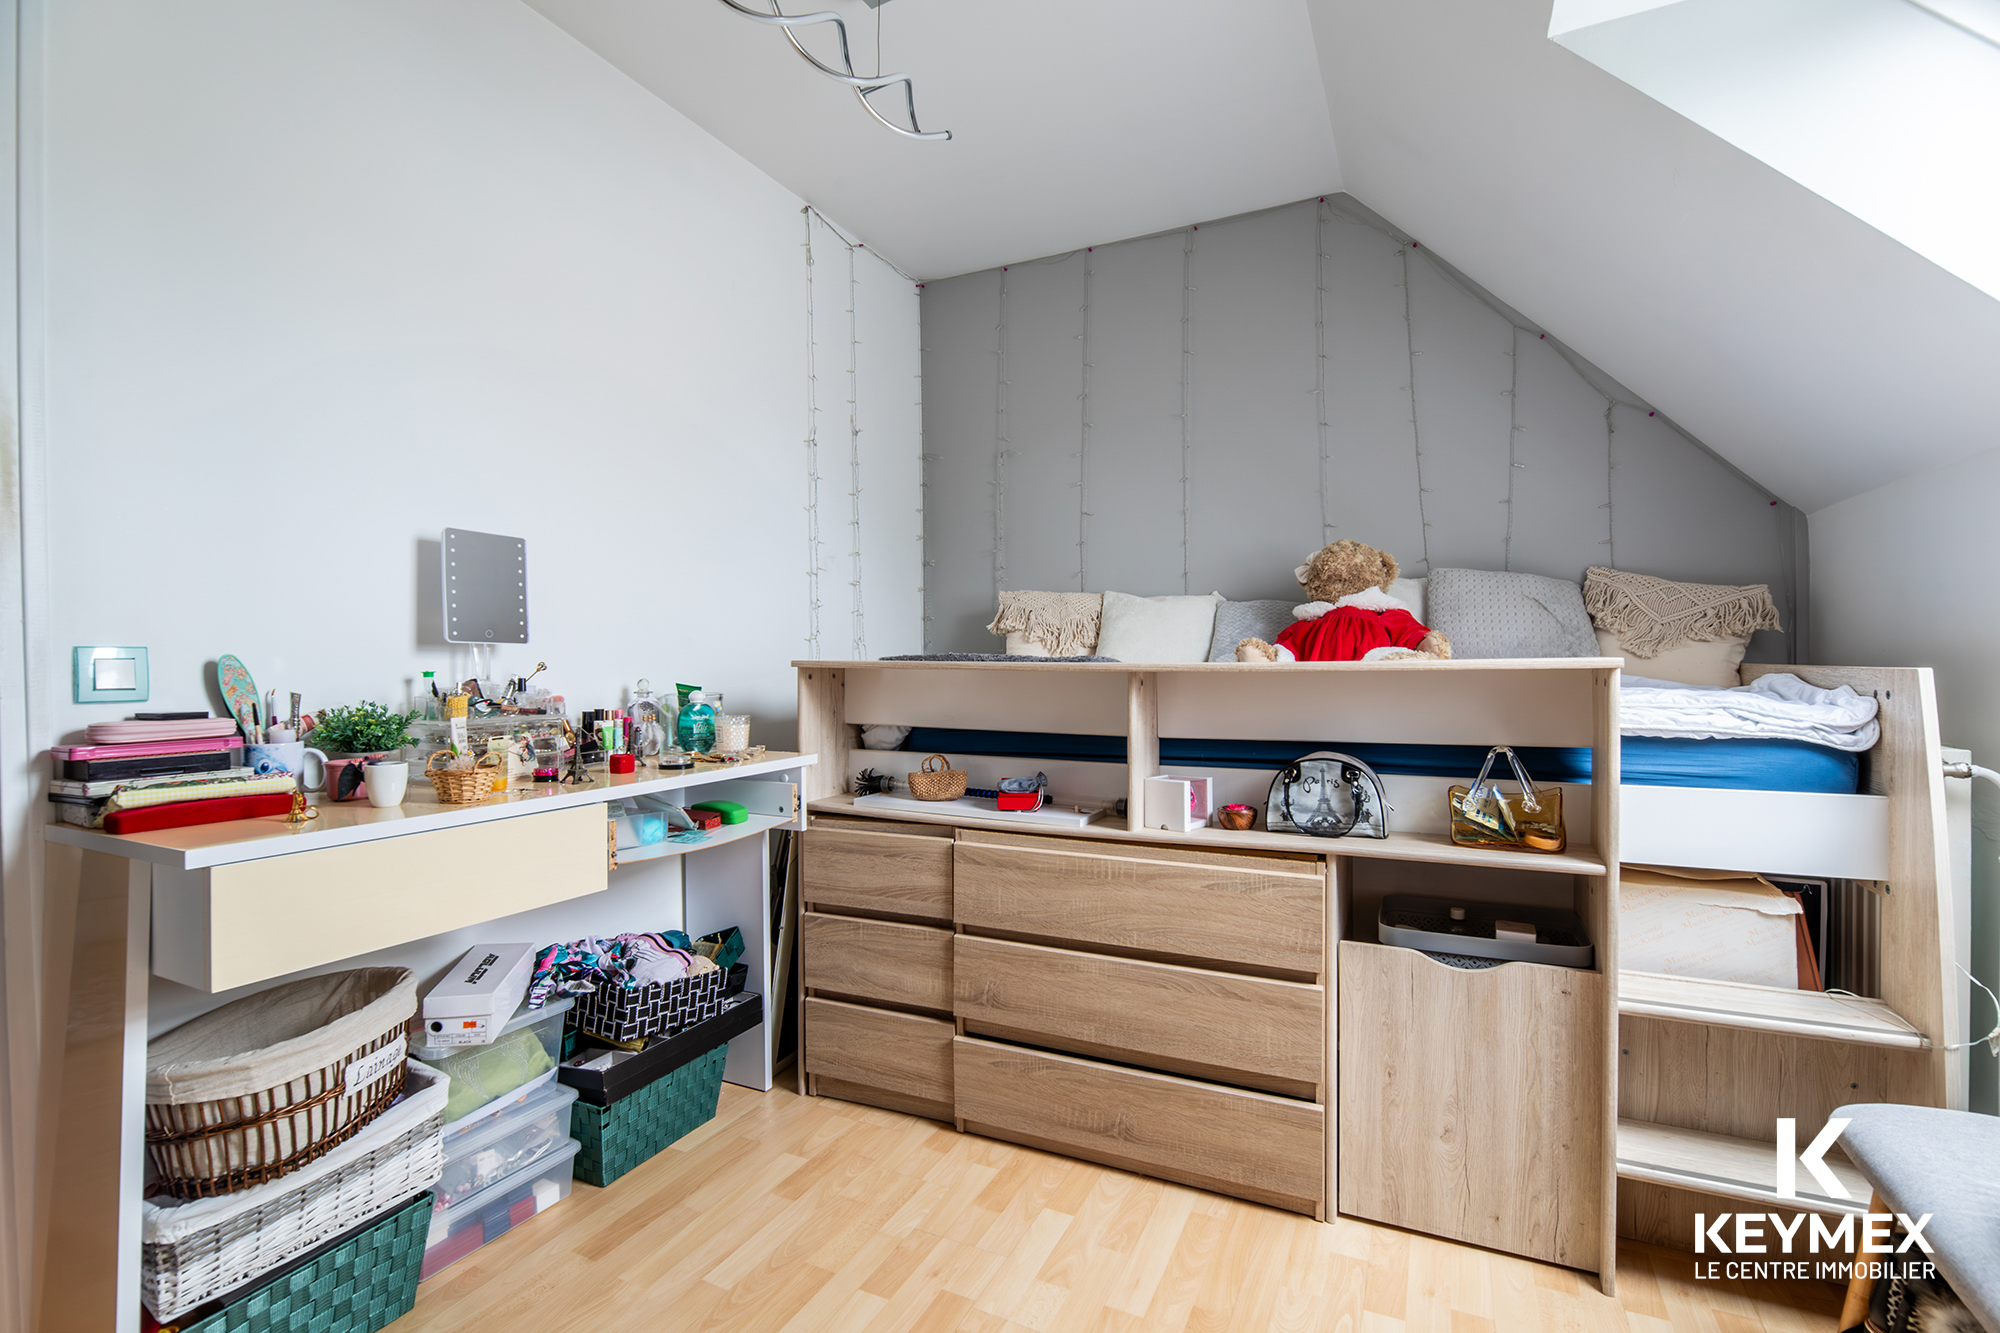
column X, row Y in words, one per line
column 863, row 87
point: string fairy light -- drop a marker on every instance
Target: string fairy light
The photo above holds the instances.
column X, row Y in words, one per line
column 1326, row 524
column 860, row 639
column 1416, row 434
column 1187, row 377
column 1513, row 435
column 1610, row 542
column 1083, row 434
column 812, row 453
column 1000, row 443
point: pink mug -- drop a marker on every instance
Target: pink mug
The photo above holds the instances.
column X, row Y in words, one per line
column 339, row 785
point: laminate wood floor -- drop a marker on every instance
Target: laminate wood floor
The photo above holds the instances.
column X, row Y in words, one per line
column 802, row 1214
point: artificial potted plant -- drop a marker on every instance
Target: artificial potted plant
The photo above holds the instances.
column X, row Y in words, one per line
column 364, row 734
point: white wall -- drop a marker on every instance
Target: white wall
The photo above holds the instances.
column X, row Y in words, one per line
column 321, row 279
column 1903, row 576
column 324, row 279
column 1526, row 463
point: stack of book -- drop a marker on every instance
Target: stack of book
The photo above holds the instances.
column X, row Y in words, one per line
column 159, row 773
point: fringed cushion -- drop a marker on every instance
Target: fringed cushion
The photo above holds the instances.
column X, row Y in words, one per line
column 1650, row 616
column 1065, row 624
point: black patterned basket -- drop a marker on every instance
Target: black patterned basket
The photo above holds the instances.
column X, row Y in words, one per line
column 650, row 1011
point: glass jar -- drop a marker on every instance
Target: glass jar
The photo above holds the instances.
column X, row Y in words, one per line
column 548, row 752
column 649, row 732
column 696, row 728
column 732, row 732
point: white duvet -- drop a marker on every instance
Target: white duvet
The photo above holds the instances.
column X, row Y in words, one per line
column 1779, row 706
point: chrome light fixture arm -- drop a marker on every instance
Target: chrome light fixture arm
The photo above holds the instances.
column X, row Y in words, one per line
column 863, row 87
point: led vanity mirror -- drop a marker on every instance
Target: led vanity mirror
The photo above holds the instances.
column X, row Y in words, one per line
column 485, row 587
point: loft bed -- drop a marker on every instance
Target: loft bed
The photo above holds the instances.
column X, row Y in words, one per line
column 1706, row 1067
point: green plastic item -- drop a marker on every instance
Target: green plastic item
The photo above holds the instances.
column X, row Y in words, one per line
column 480, row 1074
column 621, row 1136
column 365, row 1283
column 731, row 812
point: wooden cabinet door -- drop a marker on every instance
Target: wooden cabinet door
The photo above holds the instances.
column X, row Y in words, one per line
column 1472, row 1102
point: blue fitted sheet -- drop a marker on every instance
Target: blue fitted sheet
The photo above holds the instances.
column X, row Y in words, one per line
column 1645, row 761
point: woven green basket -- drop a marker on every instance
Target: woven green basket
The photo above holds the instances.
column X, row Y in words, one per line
column 362, row 1284
column 618, row 1137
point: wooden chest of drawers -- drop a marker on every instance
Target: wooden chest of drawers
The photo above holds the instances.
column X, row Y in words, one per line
column 1150, row 1008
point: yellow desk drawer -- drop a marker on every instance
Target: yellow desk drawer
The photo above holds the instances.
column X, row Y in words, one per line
column 901, row 870
column 887, row 961
column 1472, row 1102
column 1249, row 910
column 878, row 1057
column 249, row 921
column 1246, row 1144
column 1237, row 1029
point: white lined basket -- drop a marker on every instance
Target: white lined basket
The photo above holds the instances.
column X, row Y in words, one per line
column 263, row 1085
column 192, row 1252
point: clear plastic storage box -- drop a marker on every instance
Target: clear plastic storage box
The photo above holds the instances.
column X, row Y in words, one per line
column 486, row 1078
column 491, row 1213
column 481, row 1152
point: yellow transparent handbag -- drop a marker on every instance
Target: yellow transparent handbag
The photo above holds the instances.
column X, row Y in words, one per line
column 1484, row 816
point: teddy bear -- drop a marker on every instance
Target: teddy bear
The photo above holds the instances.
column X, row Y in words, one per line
column 1351, row 617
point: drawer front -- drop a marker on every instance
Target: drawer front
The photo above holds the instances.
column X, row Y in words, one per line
column 854, row 1051
column 1504, row 1066
column 1267, row 1034
column 877, row 960
column 1246, row 1144
column 1246, row 914
column 255, row 920
column 870, row 870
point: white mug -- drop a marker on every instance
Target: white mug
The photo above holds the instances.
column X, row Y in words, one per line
column 386, row 783
column 289, row 757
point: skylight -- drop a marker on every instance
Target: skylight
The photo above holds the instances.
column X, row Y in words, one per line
column 1888, row 108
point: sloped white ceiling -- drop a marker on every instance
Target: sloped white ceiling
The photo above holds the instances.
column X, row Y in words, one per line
column 1812, row 351
column 1074, row 123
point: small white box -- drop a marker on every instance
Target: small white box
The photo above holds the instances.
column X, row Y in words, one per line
column 478, row 995
column 1177, row 804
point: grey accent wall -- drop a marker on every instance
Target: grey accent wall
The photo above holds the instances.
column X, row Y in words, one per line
column 1200, row 410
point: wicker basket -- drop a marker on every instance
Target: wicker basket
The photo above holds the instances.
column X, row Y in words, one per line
column 943, row 783
column 195, row 1251
column 462, row 786
column 620, row 1136
column 265, row 1084
column 359, row 1284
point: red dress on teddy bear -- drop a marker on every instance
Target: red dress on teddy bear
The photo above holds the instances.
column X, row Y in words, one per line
column 1352, row 628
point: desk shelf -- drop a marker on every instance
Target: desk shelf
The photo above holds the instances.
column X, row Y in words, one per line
column 753, row 827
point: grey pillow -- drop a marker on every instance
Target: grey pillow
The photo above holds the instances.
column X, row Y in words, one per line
column 1237, row 621
column 1486, row 613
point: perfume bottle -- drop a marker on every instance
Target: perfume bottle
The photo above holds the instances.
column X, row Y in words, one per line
column 696, row 728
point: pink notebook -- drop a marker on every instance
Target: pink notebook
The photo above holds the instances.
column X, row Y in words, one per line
column 116, row 733
column 145, row 749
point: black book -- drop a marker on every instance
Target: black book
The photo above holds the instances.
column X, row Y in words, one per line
column 148, row 766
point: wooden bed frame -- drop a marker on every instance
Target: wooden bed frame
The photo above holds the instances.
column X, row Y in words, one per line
column 1676, row 1111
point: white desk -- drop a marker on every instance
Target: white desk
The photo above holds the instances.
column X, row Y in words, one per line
column 220, row 906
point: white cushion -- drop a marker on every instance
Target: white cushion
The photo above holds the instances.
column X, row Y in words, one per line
column 1157, row 629
column 1410, row 592
column 1712, row 664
